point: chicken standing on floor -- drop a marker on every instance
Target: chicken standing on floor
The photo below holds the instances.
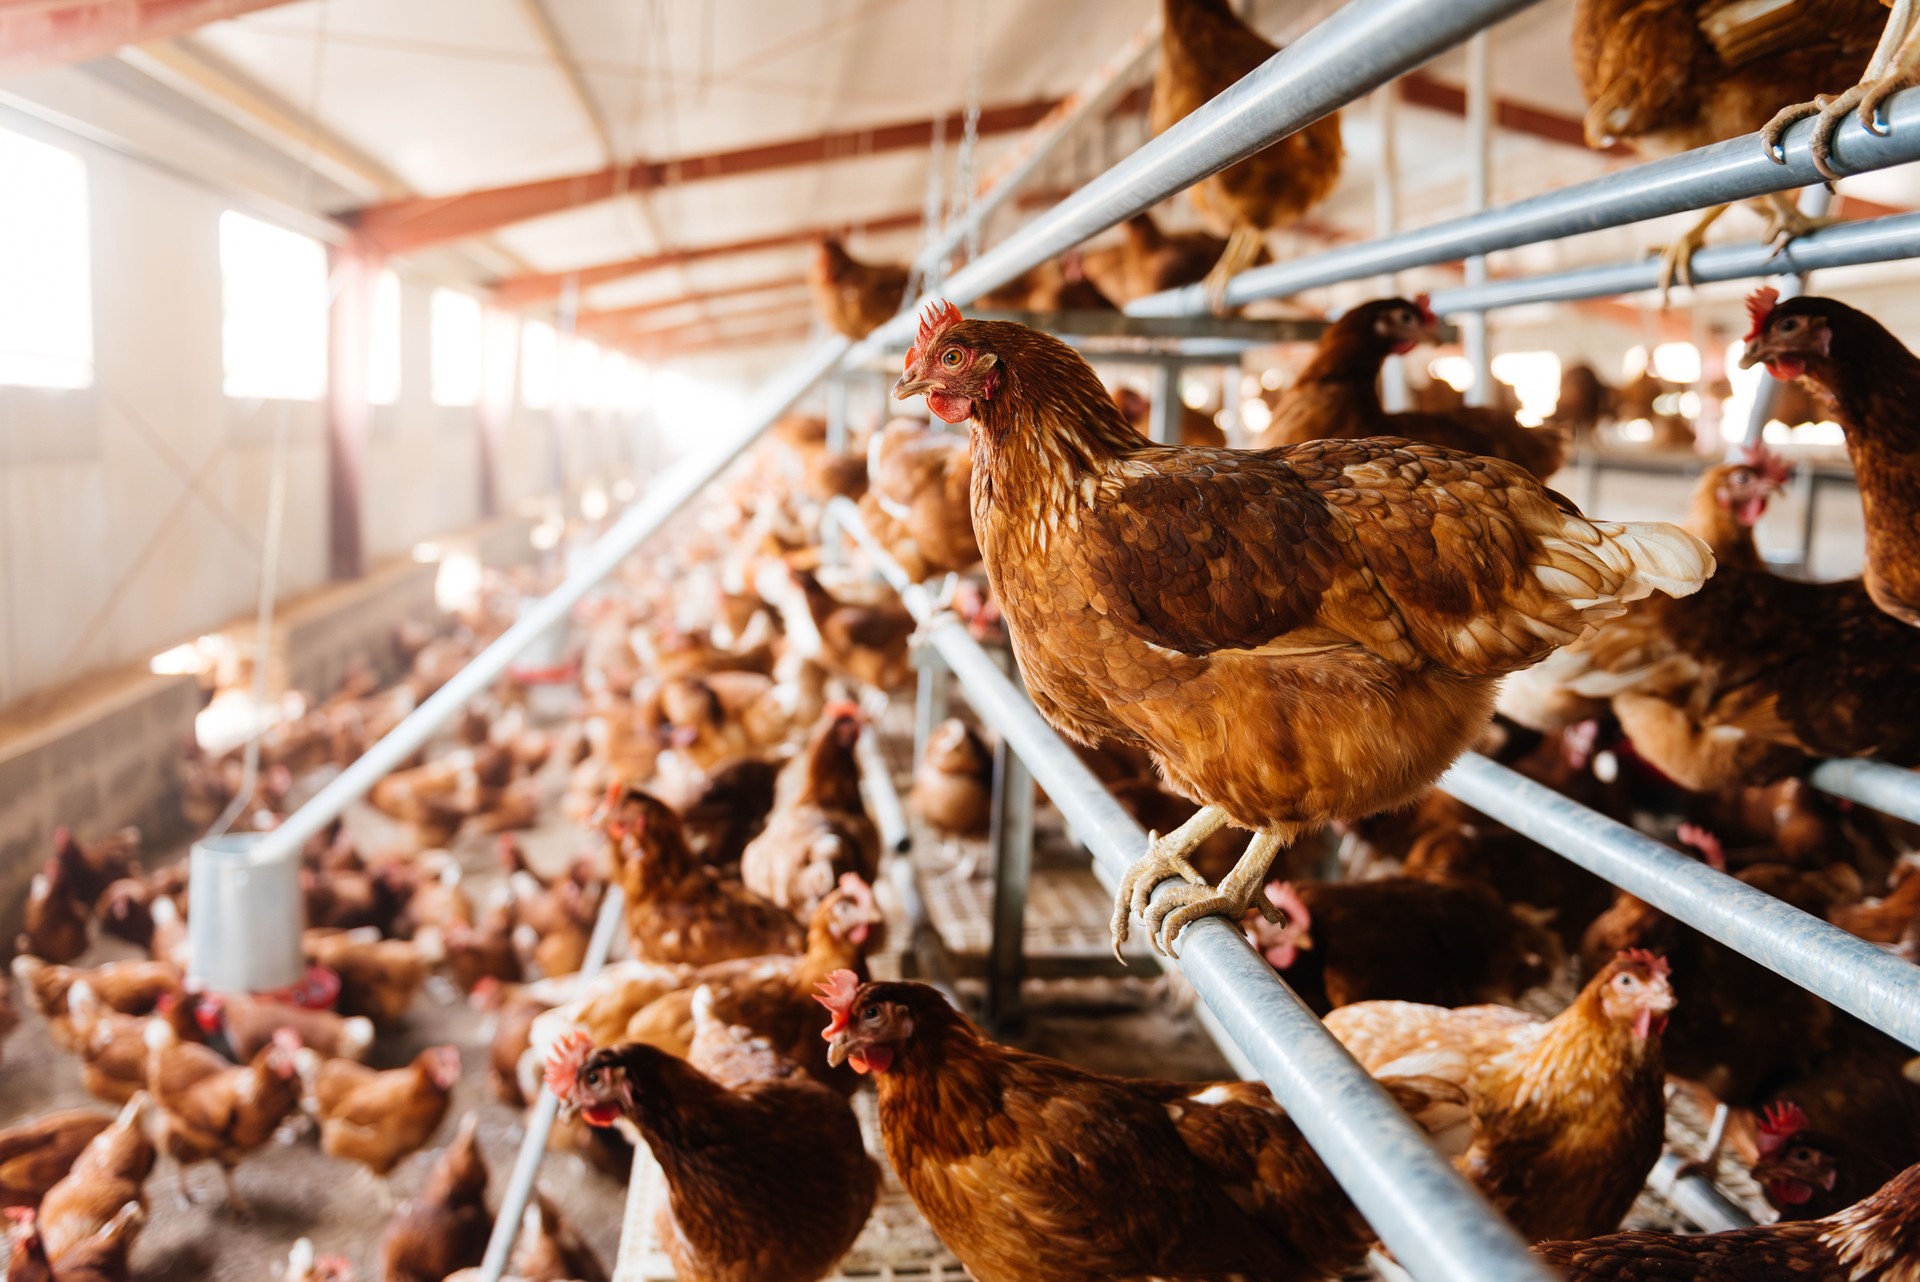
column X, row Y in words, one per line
column 444, row 1227
column 1204, row 50
column 1257, row 619
column 1029, row 1168
column 767, row 1177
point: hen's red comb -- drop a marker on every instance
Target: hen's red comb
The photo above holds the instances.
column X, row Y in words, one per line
column 1780, row 1123
column 841, row 709
column 20, row 1214
column 938, row 316
column 1702, row 840
column 837, row 995
column 1760, row 304
column 1658, row 965
column 1768, row 464
column 564, row 1062
column 1424, row 302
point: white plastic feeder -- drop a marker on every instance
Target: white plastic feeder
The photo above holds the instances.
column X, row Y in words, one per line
column 244, row 930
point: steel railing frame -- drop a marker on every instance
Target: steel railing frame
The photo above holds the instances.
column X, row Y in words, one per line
column 1738, row 169
column 1874, row 240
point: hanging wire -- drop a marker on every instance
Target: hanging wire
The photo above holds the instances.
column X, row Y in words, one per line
column 963, row 183
column 276, row 516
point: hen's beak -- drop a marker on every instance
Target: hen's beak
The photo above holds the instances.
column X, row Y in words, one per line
column 1760, row 349
column 908, row 388
column 837, row 1050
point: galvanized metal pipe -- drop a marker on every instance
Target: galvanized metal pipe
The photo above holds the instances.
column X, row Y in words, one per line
column 1892, row 790
column 1737, row 169
column 1435, row 1223
column 533, row 1148
column 1479, row 126
column 883, row 798
column 1358, row 48
column 1876, row 240
column 1856, row 976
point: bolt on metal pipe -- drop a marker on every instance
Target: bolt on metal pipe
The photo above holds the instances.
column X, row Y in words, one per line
column 1738, row 169
column 1876, row 985
column 1432, row 1219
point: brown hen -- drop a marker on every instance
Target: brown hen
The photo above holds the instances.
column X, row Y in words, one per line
column 1567, row 1114
column 1872, row 380
column 1032, row 1169
column 1338, row 395
column 1204, row 49
column 1256, row 619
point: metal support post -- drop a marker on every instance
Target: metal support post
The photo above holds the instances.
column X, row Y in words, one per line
column 930, row 699
column 1010, row 837
column 831, row 553
column 883, row 799
column 1892, row 790
column 1394, row 397
column 1479, row 122
column 1164, row 424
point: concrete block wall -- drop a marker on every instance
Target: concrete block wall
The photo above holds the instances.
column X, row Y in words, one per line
column 95, row 764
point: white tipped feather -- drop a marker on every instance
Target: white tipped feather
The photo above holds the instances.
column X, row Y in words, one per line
column 356, row 1035
column 1662, row 558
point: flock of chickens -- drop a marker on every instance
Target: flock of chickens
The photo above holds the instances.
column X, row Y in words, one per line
column 1252, row 648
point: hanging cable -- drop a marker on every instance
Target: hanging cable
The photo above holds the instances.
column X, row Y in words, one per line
column 276, row 514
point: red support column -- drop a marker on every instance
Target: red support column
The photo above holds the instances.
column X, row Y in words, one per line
column 355, row 267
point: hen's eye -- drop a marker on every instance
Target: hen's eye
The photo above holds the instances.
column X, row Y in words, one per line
column 1790, row 324
column 871, row 1012
column 1626, row 981
column 951, row 357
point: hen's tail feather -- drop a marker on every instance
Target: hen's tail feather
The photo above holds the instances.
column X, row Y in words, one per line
column 1660, row 558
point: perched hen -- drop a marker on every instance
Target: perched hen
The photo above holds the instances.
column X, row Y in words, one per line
column 1252, row 618
column 1032, row 1169
column 1148, row 260
column 1807, row 1174
column 1204, row 49
column 1872, row 380
column 767, row 1177
column 1338, row 395
column 1670, row 75
column 854, row 298
column 1567, row 1114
